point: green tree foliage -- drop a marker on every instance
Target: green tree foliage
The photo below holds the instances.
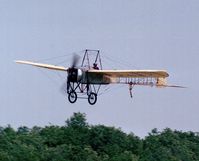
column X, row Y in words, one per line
column 77, row 120
column 170, row 146
column 79, row 141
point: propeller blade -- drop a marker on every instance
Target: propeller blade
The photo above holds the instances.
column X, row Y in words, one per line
column 75, row 60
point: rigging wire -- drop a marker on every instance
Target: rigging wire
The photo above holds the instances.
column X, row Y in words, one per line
column 119, row 61
column 61, row 77
column 109, row 89
column 107, row 63
column 55, row 57
column 55, row 82
column 106, row 58
column 60, row 56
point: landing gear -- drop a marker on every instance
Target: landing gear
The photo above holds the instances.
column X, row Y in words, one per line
column 78, row 90
column 72, row 97
column 80, row 83
column 92, row 98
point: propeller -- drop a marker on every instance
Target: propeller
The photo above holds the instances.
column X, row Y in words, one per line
column 75, row 60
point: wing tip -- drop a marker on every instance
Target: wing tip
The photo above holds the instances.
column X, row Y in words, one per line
column 19, row 61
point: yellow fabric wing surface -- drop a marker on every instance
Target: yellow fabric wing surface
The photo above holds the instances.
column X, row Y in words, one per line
column 131, row 73
column 48, row 66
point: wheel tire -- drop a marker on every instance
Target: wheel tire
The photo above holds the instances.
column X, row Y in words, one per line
column 92, row 98
column 72, row 96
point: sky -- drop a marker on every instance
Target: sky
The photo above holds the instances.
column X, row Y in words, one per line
column 131, row 34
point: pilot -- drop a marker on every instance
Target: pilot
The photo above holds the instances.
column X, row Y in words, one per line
column 95, row 66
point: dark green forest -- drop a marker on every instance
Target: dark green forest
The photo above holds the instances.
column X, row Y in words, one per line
column 79, row 141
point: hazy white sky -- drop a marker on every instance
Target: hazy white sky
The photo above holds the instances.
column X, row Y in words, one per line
column 143, row 34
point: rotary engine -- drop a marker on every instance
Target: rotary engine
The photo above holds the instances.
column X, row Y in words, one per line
column 74, row 75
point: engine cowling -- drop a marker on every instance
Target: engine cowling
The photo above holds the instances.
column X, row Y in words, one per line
column 74, row 75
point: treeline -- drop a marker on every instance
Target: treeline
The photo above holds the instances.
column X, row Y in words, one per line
column 79, row 141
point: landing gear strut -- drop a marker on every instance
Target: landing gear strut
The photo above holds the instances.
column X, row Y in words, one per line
column 72, row 94
column 82, row 84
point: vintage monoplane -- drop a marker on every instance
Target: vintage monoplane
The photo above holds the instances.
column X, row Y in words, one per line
column 89, row 77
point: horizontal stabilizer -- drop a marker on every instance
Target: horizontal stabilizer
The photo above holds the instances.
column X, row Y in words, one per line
column 172, row 86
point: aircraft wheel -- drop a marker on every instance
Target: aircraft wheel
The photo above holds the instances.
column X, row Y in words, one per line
column 72, row 97
column 92, row 98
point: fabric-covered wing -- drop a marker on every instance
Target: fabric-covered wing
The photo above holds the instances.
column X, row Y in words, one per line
column 130, row 73
column 48, row 66
column 135, row 77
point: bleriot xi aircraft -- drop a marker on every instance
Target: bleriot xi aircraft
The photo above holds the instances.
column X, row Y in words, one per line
column 89, row 77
